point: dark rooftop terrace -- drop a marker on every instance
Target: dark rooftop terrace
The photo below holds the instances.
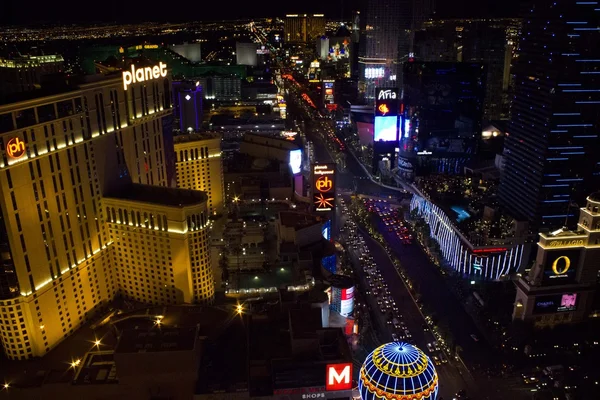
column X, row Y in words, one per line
column 157, row 339
column 160, row 195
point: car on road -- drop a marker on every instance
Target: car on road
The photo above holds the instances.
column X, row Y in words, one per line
column 474, row 337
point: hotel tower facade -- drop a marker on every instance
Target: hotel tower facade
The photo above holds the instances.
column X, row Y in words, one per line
column 87, row 212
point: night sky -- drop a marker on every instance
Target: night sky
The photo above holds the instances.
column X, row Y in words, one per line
column 85, row 11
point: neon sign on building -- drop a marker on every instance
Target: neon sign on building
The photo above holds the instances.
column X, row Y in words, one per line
column 144, row 74
column 15, row 148
column 324, row 187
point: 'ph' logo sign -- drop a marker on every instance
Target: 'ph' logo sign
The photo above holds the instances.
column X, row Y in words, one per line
column 324, row 184
column 15, row 148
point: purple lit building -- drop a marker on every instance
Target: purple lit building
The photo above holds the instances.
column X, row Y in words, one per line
column 187, row 105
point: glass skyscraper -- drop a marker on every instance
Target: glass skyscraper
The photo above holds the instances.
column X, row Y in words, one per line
column 388, row 40
column 552, row 149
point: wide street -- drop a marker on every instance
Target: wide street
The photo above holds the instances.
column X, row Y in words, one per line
column 477, row 354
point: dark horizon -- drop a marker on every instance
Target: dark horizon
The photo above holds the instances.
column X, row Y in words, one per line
column 16, row 12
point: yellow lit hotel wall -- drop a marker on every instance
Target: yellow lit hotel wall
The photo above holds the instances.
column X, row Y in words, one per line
column 161, row 252
column 200, row 167
column 77, row 145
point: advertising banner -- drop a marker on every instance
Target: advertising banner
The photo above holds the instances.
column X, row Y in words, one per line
column 561, row 266
column 323, row 187
column 555, row 303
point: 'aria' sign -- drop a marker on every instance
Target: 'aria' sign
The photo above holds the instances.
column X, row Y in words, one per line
column 143, row 74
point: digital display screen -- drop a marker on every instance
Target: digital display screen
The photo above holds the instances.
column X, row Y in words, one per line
column 561, row 266
column 347, row 302
column 555, row 303
column 386, row 129
column 296, row 161
column 374, row 72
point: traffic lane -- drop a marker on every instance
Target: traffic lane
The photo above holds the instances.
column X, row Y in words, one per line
column 374, row 310
column 436, row 294
column 450, row 377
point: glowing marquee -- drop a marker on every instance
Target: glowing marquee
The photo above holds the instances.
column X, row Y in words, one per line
column 15, row 148
column 143, row 74
column 324, row 187
column 563, row 268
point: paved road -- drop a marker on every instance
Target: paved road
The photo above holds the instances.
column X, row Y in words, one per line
column 436, row 294
column 452, row 376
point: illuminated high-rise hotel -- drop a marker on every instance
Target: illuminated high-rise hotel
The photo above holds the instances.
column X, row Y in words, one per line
column 551, row 148
column 200, row 166
column 388, row 40
column 86, row 211
column 303, row 28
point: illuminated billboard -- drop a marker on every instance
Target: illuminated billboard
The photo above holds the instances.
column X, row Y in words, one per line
column 374, row 72
column 561, row 266
column 555, row 303
column 386, row 129
column 386, row 102
column 328, row 94
column 296, row 161
column 347, row 302
column 323, row 182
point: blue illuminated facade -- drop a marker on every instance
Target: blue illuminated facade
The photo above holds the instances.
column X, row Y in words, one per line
column 398, row 371
column 552, row 146
column 456, row 251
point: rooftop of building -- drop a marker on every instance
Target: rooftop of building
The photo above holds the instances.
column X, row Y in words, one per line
column 244, row 163
column 194, row 137
column 157, row 340
column 223, row 120
column 97, row 368
column 340, row 281
column 298, row 220
column 464, row 200
column 305, row 321
column 159, row 195
column 270, row 141
column 96, row 362
column 563, row 232
column 52, row 85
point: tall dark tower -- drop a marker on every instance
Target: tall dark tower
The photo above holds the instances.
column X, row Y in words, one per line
column 388, row 40
column 552, row 150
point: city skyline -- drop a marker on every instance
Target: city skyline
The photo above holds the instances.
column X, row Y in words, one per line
column 38, row 12
column 225, row 205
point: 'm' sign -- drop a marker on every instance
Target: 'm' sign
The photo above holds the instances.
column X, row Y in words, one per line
column 339, row 377
column 143, row 74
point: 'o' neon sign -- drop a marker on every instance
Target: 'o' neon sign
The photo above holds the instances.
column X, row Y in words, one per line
column 15, row 148
column 563, row 268
column 143, row 74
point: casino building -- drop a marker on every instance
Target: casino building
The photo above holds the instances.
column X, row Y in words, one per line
column 560, row 287
column 86, row 211
column 200, row 167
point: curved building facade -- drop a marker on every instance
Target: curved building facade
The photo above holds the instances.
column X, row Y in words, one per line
column 485, row 262
column 398, row 371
